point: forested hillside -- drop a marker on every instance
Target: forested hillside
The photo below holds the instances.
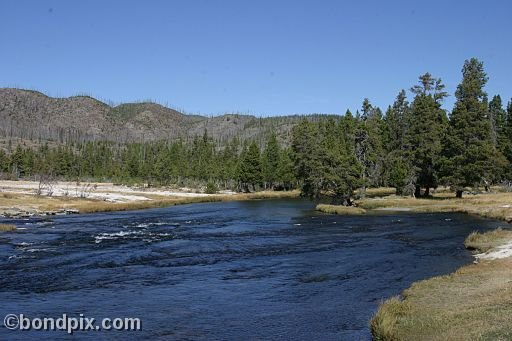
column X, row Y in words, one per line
column 414, row 145
column 32, row 115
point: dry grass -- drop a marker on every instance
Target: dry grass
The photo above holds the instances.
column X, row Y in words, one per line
column 339, row 209
column 380, row 192
column 32, row 203
column 474, row 303
column 7, row 228
column 387, row 317
column 492, row 205
column 497, row 205
column 485, row 241
column 260, row 195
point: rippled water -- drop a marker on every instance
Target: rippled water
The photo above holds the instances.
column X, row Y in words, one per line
column 255, row 270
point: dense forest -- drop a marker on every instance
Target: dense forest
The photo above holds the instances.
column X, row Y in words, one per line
column 238, row 166
column 414, row 146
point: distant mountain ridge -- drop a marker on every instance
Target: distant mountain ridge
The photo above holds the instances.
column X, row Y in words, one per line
column 33, row 115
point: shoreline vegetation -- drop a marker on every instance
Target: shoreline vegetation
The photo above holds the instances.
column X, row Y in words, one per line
column 493, row 205
column 474, row 302
column 20, row 199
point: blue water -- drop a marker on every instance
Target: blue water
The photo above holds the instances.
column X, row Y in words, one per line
column 254, row 270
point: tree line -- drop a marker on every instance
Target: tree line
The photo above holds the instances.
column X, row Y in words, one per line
column 414, row 146
column 236, row 165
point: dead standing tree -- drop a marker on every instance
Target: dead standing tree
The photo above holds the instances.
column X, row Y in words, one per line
column 46, row 185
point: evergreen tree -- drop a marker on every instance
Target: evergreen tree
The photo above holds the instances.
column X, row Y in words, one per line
column 470, row 158
column 285, row 171
column 508, row 124
column 307, row 158
column 270, row 162
column 398, row 167
column 368, row 146
column 497, row 117
column 426, row 132
column 347, row 129
column 323, row 162
column 250, row 167
column 4, row 161
column 396, row 124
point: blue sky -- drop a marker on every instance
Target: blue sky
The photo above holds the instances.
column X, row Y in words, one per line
column 261, row 57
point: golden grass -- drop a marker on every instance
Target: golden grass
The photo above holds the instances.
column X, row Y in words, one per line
column 489, row 205
column 387, row 317
column 339, row 209
column 7, row 228
column 380, row 191
column 473, row 303
column 32, row 203
column 260, row 195
column 485, row 241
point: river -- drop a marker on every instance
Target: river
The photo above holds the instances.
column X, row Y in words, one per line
column 252, row 270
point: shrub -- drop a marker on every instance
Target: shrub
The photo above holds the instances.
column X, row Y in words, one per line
column 211, row 188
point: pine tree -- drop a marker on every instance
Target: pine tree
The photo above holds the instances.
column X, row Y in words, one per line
column 285, row 172
column 398, row 167
column 347, row 127
column 324, row 164
column 396, row 123
column 469, row 154
column 250, row 167
column 4, row 161
column 270, row 162
column 497, row 117
column 426, row 132
column 508, row 124
column 368, row 146
column 307, row 158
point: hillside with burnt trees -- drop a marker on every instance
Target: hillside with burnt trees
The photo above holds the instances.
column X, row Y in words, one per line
column 34, row 116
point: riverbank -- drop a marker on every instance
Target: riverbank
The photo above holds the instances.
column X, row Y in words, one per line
column 473, row 303
column 341, row 210
column 489, row 205
column 21, row 199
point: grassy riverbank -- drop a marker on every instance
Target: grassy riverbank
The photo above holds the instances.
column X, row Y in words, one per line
column 102, row 206
column 10, row 203
column 489, row 205
column 338, row 209
column 473, row 303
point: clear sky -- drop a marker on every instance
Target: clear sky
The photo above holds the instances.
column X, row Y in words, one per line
column 262, row 57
